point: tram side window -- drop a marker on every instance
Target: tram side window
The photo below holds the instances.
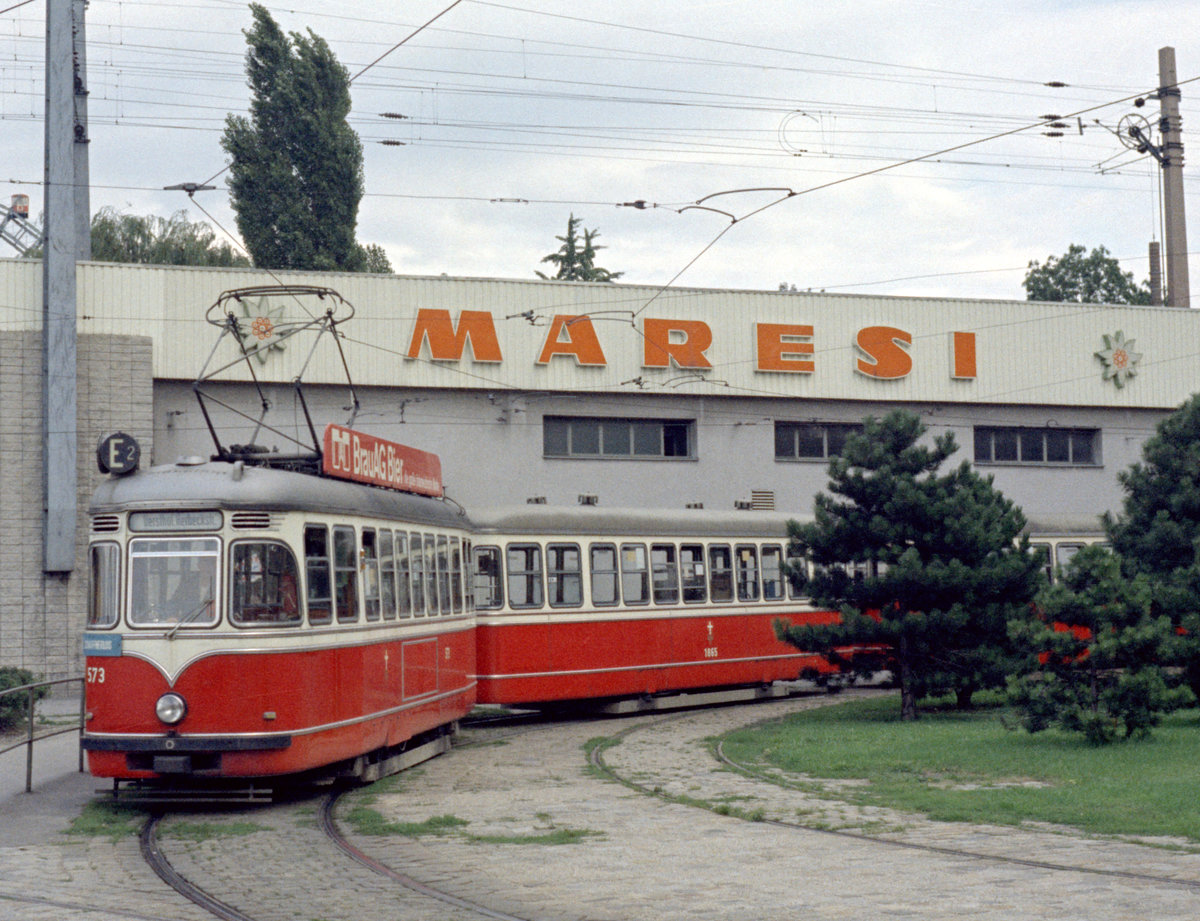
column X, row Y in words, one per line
column 263, row 585
column 487, row 584
column 431, row 575
column 1064, row 553
column 1042, row 552
column 524, row 575
column 417, row 561
column 443, row 570
column 772, row 572
column 747, row 573
column 345, row 574
column 370, row 571
column 387, row 575
column 316, row 564
column 664, row 573
column 691, row 571
column 404, row 598
column 104, row 598
column 456, row 575
column 635, row 574
column 796, row 574
column 720, row 572
column 173, row 581
column 605, row 580
column 564, row 575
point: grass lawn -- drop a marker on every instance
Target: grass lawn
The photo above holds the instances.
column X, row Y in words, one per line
column 966, row 767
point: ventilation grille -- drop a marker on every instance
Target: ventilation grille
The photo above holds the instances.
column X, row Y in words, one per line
column 762, row 499
column 253, row 521
column 106, row 524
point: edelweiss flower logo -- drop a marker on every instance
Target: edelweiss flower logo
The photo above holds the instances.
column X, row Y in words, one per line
column 258, row 338
column 262, row 328
column 1119, row 358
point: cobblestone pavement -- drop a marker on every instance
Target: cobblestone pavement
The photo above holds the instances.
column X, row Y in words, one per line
column 629, row 856
column 654, row 859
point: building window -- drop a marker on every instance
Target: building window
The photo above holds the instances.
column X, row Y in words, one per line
column 576, row 436
column 1012, row 445
column 811, row 440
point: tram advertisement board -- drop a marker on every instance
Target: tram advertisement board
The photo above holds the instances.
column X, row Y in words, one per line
column 351, row 455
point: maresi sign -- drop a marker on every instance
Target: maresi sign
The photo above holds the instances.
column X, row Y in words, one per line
column 351, row 455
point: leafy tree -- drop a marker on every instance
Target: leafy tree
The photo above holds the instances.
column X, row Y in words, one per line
column 296, row 175
column 926, row 563
column 1085, row 278
column 118, row 237
column 1094, row 660
column 1158, row 531
column 374, row 259
column 576, row 260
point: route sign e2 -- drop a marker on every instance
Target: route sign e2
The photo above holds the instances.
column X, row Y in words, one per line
column 118, row 454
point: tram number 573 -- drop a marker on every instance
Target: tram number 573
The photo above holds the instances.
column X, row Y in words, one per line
column 95, row 675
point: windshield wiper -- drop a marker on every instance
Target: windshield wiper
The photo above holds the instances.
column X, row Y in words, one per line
column 189, row 617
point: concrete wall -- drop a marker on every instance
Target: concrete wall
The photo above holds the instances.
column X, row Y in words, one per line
column 42, row 616
column 491, row 448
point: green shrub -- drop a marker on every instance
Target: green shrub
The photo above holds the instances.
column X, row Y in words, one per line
column 14, row 708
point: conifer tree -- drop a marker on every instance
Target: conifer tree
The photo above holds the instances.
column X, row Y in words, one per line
column 1095, row 655
column 930, row 564
column 576, row 260
column 1158, row 531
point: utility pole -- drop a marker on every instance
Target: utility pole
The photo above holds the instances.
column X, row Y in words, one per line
column 1178, row 294
column 1156, row 298
column 66, row 223
column 83, row 182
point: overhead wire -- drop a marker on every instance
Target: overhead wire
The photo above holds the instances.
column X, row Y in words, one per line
column 790, row 194
column 846, row 154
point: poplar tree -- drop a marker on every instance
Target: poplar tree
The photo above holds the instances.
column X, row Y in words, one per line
column 296, row 175
column 929, row 565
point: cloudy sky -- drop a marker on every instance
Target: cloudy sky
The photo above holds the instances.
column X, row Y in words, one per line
column 517, row 114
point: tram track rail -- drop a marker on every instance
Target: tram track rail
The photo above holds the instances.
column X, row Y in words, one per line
column 329, row 826
column 158, row 861
column 156, row 857
column 597, row 762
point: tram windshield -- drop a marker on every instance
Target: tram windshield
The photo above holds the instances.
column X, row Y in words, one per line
column 173, row 581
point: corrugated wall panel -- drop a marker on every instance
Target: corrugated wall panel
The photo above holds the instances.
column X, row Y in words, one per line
column 20, row 294
column 1025, row 353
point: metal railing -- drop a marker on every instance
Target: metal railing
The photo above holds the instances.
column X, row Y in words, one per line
column 30, row 737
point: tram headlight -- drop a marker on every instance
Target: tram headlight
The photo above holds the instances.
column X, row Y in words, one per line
column 171, row 708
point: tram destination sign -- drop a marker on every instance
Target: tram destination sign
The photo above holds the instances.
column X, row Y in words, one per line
column 351, row 455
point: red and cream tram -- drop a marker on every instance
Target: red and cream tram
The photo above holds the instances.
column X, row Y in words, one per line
column 583, row 603
column 246, row 621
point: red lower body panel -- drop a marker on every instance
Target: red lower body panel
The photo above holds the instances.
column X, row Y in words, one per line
column 564, row 656
column 262, row 713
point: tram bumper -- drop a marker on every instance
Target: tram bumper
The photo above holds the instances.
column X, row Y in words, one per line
column 181, row 754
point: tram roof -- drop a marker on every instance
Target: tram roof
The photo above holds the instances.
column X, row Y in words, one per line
column 218, row 484
column 645, row 522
